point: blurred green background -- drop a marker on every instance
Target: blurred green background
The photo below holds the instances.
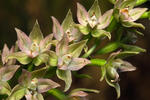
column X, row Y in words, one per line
column 23, row 13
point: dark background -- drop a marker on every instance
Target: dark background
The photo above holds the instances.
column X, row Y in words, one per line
column 23, row 13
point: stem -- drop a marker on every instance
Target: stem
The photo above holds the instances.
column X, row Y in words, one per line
column 139, row 2
column 57, row 94
column 31, row 67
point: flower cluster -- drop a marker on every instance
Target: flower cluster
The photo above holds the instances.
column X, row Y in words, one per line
column 65, row 51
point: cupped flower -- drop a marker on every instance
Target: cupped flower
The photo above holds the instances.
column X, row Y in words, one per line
column 114, row 66
column 92, row 21
column 67, row 27
column 31, row 87
column 33, row 46
column 67, row 59
column 125, row 12
column 7, row 70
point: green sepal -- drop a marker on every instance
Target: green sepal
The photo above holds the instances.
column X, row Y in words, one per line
column 5, row 88
column 100, row 33
column 66, row 76
column 132, row 24
column 83, row 29
column 21, row 57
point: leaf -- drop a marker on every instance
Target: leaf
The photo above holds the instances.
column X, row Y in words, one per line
column 105, row 19
column 78, row 63
column 5, row 88
column 25, row 78
column 17, row 93
column 21, row 57
column 68, row 21
column 100, row 33
column 24, row 42
column 36, row 34
column 57, row 29
column 136, row 13
column 85, row 30
column 7, row 72
column 46, row 84
column 76, row 48
column 65, row 75
column 82, row 14
column 103, row 73
column 95, row 9
column 132, row 24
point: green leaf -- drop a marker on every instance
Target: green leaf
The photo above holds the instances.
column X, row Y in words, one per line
column 65, row 75
column 95, row 9
column 132, row 24
column 76, row 48
column 5, row 88
column 36, row 34
column 100, row 33
column 68, row 21
column 21, row 57
column 82, row 75
column 17, row 93
column 103, row 73
column 83, row 29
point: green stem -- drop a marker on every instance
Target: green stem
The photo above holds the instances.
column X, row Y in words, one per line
column 139, row 2
column 31, row 67
column 57, row 94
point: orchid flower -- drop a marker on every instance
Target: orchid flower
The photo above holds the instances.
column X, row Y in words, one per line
column 125, row 12
column 31, row 87
column 67, row 27
column 67, row 59
column 114, row 66
column 7, row 70
column 92, row 21
column 33, row 46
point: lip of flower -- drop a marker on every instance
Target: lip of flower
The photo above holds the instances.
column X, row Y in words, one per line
column 93, row 21
column 125, row 13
